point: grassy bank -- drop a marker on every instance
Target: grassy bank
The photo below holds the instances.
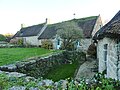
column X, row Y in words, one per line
column 11, row 55
column 62, row 71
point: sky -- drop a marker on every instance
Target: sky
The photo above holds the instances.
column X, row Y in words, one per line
column 13, row 13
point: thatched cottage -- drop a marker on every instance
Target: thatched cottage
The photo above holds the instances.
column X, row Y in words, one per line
column 108, row 48
column 89, row 25
column 34, row 35
column 30, row 34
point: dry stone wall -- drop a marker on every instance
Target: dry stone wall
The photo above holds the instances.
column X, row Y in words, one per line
column 39, row 66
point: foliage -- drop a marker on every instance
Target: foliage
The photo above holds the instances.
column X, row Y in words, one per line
column 10, row 55
column 75, row 56
column 2, row 37
column 8, row 36
column 69, row 32
column 69, row 47
column 92, row 50
column 99, row 82
column 13, row 41
column 20, row 42
column 17, row 41
column 47, row 44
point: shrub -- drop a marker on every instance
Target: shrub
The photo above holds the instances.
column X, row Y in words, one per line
column 20, row 42
column 17, row 41
column 92, row 50
column 69, row 47
column 47, row 44
column 13, row 41
column 99, row 82
column 2, row 37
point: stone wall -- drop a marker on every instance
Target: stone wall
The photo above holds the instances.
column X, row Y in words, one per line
column 39, row 66
column 112, row 58
column 85, row 43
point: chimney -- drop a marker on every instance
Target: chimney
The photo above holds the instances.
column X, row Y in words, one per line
column 22, row 25
column 74, row 15
column 46, row 21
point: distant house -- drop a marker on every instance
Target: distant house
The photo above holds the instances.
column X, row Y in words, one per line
column 108, row 48
column 50, row 33
column 89, row 25
column 30, row 34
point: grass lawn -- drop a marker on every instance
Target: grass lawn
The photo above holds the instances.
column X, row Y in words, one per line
column 11, row 55
column 62, row 71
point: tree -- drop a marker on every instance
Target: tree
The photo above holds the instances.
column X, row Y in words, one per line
column 69, row 32
column 2, row 37
column 8, row 36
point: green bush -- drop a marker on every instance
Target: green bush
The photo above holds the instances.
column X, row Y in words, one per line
column 92, row 50
column 2, row 37
column 47, row 44
column 69, row 47
column 20, row 42
column 99, row 82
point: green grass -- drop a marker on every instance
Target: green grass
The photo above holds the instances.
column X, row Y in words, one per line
column 11, row 55
column 62, row 71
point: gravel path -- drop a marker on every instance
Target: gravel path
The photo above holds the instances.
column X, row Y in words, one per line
column 85, row 70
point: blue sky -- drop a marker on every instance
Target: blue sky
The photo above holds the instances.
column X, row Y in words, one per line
column 30, row 12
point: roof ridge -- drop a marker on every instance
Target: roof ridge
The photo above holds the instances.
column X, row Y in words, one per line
column 75, row 19
column 33, row 25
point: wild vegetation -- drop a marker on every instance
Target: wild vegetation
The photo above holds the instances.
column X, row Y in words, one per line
column 47, row 44
column 99, row 82
column 2, row 37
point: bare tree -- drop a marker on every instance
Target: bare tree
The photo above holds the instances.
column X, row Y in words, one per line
column 69, row 32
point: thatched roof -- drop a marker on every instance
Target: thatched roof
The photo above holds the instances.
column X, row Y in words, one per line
column 111, row 29
column 86, row 24
column 49, row 32
column 29, row 31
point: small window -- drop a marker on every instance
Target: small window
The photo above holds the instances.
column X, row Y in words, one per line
column 105, row 46
column 58, row 42
column 105, row 57
column 118, row 44
column 78, row 43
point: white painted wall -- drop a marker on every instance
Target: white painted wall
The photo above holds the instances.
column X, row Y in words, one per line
column 32, row 40
column 97, row 26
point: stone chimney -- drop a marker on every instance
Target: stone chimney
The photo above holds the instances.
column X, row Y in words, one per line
column 22, row 25
column 46, row 20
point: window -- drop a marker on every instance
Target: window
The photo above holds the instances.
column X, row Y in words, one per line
column 58, row 42
column 105, row 57
column 78, row 43
column 118, row 47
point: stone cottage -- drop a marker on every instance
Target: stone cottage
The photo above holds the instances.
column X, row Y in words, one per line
column 30, row 34
column 108, row 48
column 89, row 25
column 35, row 34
